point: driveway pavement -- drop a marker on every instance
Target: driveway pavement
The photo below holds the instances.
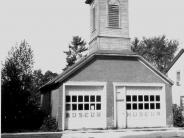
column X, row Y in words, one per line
column 120, row 133
column 128, row 133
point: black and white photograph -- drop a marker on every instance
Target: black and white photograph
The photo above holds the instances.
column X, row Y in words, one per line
column 92, row 68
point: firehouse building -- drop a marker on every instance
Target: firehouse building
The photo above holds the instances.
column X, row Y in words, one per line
column 112, row 87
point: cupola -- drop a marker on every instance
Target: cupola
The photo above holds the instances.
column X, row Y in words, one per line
column 109, row 25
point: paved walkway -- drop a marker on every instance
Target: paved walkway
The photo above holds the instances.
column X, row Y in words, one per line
column 115, row 133
column 122, row 133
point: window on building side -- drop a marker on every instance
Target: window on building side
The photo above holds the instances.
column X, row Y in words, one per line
column 113, row 14
column 178, row 78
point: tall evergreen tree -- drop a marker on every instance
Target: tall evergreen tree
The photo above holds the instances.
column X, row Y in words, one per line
column 75, row 52
column 159, row 51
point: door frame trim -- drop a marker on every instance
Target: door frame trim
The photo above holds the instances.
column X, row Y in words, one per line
column 125, row 84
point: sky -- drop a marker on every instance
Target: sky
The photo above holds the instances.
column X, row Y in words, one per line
column 49, row 25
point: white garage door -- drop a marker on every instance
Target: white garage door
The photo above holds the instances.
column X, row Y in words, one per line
column 145, row 107
column 85, row 107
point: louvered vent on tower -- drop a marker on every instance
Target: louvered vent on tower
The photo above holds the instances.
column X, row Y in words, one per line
column 113, row 17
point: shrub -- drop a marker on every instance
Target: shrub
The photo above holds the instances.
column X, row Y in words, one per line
column 49, row 124
column 178, row 118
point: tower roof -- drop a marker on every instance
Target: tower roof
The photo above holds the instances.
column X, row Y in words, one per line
column 88, row 1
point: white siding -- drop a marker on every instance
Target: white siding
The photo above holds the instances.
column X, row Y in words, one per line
column 177, row 91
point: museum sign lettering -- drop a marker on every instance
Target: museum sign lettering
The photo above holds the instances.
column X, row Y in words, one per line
column 90, row 114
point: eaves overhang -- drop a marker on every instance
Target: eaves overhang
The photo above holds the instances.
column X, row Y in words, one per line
column 175, row 59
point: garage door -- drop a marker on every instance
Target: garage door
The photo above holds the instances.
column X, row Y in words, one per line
column 145, row 107
column 85, row 107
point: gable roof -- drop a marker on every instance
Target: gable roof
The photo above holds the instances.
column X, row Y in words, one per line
column 105, row 53
column 175, row 59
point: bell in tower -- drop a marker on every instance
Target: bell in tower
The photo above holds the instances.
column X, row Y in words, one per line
column 109, row 26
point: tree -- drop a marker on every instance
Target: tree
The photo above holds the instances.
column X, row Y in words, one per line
column 75, row 52
column 159, row 51
column 39, row 79
column 18, row 105
column 49, row 75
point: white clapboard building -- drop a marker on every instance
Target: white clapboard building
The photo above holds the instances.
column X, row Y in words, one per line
column 176, row 73
column 112, row 87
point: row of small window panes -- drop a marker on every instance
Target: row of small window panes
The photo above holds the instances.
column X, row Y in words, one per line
column 85, row 98
column 141, row 106
column 141, row 98
column 75, row 107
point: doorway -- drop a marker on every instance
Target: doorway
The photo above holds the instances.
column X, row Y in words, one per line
column 120, row 107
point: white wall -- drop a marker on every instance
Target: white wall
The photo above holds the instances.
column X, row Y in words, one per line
column 177, row 91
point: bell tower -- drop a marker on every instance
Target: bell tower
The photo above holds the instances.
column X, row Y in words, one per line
column 109, row 25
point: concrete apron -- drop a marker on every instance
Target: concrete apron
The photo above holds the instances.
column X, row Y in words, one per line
column 116, row 133
column 110, row 133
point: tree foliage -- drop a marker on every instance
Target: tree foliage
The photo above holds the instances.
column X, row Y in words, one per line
column 75, row 52
column 20, row 90
column 159, row 51
column 19, row 109
column 39, row 79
